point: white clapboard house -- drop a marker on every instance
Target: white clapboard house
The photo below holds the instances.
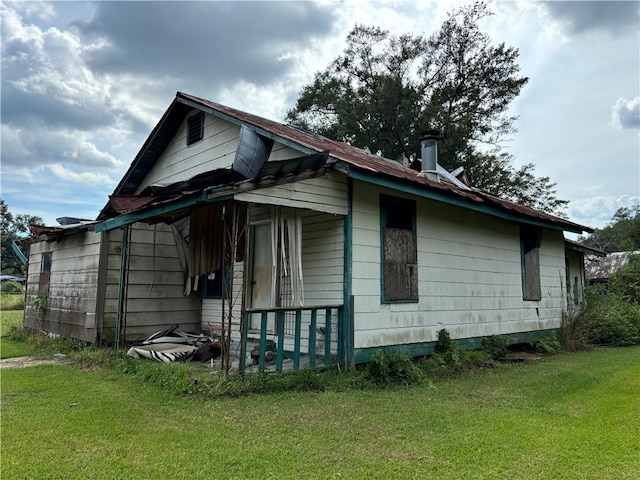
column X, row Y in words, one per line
column 272, row 235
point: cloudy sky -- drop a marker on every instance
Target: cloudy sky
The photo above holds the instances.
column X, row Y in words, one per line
column 83, row 84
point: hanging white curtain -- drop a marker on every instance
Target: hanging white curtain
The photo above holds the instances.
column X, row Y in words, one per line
column 286, row 237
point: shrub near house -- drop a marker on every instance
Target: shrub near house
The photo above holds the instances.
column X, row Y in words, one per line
column 611, row 317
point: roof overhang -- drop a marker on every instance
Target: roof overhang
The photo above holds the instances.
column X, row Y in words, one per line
column 356, row 163
column 178, row 205
column 40, row 233
column 475, row 201
column 578, row 247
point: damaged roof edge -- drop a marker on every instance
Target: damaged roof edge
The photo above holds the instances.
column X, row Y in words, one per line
column 352, row 161
column 144, row 214
column 414, row 189
column 182, row 98
column 139, row 164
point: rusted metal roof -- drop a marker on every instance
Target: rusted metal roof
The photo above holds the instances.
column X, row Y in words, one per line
column 341, row 154
column 572, row 245
column 378, row 165
column 42, row 232
column 601, row 268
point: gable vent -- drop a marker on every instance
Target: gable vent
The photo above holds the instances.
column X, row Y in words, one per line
column 195, row 128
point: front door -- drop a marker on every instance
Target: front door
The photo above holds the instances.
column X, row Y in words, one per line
column 261, row 270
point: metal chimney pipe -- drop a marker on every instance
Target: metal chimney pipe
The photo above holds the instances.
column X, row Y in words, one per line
column 429, row 147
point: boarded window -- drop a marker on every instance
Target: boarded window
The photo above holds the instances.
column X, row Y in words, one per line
column 399, row 249
column 530, row 239
column 195, row 128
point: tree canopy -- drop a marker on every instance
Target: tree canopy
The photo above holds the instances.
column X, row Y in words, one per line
column 11, row 228
column 384, row 90
column 621, row 234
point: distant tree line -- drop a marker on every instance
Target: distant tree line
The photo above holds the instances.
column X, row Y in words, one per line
column 13, row 227
column 622, row 233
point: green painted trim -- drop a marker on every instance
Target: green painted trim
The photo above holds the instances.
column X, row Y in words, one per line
column 340, row 346
column 133, row 217
column 280, row 347
column 523, row 271
column 364, row 355
column 263, row 340
column 327, row 336
column 312, row 339
column 296, row 341
column 382, row 217
column 347, row 277
column 425, row 192
column 243, row 348
column 19, row 253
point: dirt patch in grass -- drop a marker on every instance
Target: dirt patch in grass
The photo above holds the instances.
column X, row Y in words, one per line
column 21, row 362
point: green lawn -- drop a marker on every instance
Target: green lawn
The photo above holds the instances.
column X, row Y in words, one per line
column 9, row 349
column 573, row 416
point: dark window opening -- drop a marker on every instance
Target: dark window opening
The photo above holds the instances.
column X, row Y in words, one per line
column 399, row 249
column 45, row 266
column 195, row 128
column 530, row 240
column 212, row 286
column 45, row 274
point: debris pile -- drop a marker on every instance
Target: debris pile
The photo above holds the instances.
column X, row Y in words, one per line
column 171, row 345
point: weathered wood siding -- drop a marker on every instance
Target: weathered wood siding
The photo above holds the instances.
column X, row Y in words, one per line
column 326, row 194
column 216, row 150
column 155, row 285
column 469, row 276
column 73, row 286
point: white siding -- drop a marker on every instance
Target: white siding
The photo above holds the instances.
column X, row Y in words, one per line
column 326, row 194
column 155, row 285
column 212, row 307
column 178, row 162
column 322, row 258
column 576, row 281
column 217, row 149
column 469, row 273
column 73, row 286
column 323, row 270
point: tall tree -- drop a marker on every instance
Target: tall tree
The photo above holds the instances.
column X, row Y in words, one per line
column 621, row 234
column 11, row 228
column 384, row 90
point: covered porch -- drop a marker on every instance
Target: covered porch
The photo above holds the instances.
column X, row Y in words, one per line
column 265, row 258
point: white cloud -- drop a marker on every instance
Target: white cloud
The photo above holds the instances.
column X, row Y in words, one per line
column 83, row 83
column 598, row 210
column 36, row 148
column 89, row 178
column 626, row 113
column 54, row 109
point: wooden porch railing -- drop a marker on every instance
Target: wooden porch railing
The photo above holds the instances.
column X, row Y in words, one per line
column 279, row 314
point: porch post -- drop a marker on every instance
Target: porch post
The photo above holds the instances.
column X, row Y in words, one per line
column 124, row 246
column 347, row 309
